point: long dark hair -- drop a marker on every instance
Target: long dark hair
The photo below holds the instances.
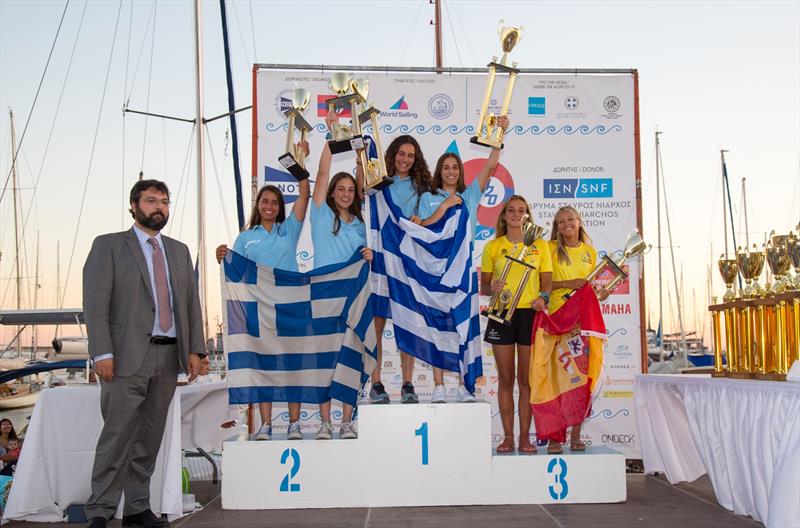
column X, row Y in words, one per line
column 355, row 206
column 255, row 215
column 419, row 172
column 12, row 434
column 583, row 236
column 437, row 173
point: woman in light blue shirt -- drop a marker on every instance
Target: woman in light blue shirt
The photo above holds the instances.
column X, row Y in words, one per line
column 337, row 231
column 271, row 240
column 449, row 190
column 412, row 178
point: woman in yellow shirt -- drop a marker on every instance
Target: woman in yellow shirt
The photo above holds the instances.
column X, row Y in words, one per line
column 505, row 339
column 573, row 260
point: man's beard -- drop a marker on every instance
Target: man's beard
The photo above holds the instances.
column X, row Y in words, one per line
column 155, row 221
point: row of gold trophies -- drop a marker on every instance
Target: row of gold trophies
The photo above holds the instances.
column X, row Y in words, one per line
column 761, row 324
column 351, row 96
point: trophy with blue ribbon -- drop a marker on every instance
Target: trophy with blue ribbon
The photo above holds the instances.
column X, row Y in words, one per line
column 344, row 138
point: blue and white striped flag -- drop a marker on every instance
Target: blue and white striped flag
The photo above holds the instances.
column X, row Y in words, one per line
column 423, row 279
column 297, row 337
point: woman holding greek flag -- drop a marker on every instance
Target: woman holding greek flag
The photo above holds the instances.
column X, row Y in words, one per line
column 407, row 166
column 337, row 231
column 271, row 240
column 449, row 190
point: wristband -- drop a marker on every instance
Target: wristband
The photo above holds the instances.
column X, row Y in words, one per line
column 545, row 297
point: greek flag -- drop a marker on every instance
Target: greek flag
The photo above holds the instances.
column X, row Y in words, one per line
column 297, row 337
column 423, row 279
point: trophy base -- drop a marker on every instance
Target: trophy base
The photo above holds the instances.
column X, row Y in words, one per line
column 486, row 142
column 338, row 146
column 770, row 376
column 497, row 319
column 722, row 374
column 289, row 163
column 378, row 186
column 499, row 66
column 739, row 375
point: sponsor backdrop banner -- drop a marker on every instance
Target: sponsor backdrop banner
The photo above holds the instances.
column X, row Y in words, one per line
column 571, row 142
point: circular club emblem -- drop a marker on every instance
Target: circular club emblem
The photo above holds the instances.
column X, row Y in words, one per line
column 499, row 189
column 440, row 106
column 283, row 101
column 571, row 102
column 611, row 104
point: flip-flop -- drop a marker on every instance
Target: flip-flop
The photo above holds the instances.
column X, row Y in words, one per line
column 554, row 449
column 506, row 446
column 577, row 446
column 528, row 449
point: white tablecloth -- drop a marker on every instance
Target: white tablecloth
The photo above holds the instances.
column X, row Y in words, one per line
column 744, row 433
column 55, row 466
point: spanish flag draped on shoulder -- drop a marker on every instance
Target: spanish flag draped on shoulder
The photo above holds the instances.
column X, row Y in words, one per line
column 567, row 364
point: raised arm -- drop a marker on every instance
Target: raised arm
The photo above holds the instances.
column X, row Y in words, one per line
column 491, row 162
column 323, row 175
column 301, row 204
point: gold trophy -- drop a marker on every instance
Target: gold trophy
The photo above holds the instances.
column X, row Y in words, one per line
column 503, row 304
column 777, row 257
column 728, row 268
column 634, row 246
column 750, row 265
column 487, row 132
column 294, row 160
column 343, row 138
column 793, row 248
column 375, row 174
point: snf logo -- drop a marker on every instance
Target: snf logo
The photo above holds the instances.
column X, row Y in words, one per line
column 578, row 188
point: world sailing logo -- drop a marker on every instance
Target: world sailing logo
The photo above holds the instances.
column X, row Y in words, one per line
column 399, row 109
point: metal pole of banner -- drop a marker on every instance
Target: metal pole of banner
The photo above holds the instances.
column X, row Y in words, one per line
column 422, row 69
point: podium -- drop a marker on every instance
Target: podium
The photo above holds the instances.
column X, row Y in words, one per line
column 413, row 455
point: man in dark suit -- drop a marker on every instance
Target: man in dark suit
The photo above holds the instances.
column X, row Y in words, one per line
column 144, row 325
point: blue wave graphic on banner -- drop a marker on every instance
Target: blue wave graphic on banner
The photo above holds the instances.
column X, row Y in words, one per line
column 519, row 130
column 608, row 414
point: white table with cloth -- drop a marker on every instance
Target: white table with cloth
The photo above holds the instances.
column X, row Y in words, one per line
column 744, row 433
column 55, row 466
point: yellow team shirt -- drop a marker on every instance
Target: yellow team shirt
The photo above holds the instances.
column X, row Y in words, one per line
column 494, row 261
column 582, row 261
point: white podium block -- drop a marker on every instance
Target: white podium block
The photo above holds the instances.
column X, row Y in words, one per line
column 413, row 455
column 596, row 475
column 426, row 452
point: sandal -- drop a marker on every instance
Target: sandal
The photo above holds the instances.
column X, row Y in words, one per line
column 554, row 448
column 507, row 445
column 527, row 449
column 577, row 446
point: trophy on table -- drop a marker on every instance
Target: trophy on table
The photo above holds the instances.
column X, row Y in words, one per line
column 294, row 159
column 503, row 303
column 750, row 264
column 343, row 138
column 728, row 268
column 777, row 256
column 487, row 132
column 634, row 246
column 375, row 174
column 793, row 248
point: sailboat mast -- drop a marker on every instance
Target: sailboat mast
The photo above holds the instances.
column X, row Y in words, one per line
column 724, row 203
column 14, row 188
column 34, row 332
column 438, row 32
column 199, row 126
column 658, row 216
column 746, row 227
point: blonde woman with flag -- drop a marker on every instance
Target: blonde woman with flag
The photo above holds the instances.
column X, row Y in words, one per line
column 567, row 356
column 516, row 338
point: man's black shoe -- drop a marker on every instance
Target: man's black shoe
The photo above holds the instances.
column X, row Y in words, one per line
column 96, row 522
column 145, row 519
